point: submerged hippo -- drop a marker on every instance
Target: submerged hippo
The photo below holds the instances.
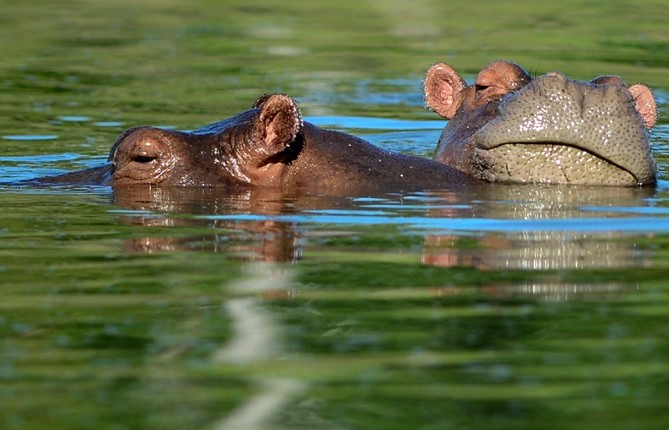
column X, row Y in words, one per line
column 510, row 127
column 268, row 145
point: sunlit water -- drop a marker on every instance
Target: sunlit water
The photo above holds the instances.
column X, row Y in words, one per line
column 487, row 306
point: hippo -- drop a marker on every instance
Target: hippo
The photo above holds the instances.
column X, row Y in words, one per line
column 511, row 127
column 268, row 145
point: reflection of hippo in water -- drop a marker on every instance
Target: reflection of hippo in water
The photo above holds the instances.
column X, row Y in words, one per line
column 267, row 146
column 510, row 127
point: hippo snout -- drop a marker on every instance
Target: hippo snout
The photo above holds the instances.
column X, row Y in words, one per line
column 582, row 123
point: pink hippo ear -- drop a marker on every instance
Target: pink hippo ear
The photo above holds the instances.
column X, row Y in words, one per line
column 441, row 89
column 644, row 103
column 278, row 123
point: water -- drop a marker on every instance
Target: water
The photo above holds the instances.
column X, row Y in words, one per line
column 490, row 306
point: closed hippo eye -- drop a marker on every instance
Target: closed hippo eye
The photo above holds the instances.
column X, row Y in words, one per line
column 145, row 151
column 144, row 158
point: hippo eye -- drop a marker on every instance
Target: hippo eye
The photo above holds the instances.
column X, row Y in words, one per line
column 480, row 87
column 143, row 158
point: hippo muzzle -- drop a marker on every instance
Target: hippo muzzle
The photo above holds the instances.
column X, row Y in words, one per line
column 559, row 130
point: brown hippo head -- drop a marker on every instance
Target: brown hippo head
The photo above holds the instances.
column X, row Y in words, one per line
column 268, row 145
column 244, row 149
column 510, row 127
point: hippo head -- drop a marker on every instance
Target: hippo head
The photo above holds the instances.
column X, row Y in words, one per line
column 253, row 147
column 510, row 127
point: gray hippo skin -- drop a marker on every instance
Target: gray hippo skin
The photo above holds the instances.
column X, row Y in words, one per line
column 268, row 145
column 510, row 127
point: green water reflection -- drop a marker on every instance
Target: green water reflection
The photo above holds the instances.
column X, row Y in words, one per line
column 482, row 307
column 151, row 314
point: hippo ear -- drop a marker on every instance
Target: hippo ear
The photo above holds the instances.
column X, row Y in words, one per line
column 644, row 103
column 441, row 89
column 262, row 99
column 278, row 123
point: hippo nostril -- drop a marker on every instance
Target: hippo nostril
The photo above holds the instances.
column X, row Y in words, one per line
column 554, row 74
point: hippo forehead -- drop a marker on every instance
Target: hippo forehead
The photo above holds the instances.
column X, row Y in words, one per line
column 600, row 119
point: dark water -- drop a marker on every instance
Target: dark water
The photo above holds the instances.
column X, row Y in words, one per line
column 490, row 306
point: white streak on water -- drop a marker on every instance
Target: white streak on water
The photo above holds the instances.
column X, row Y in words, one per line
column 255, row 414
column 256, row 338
column 256, row 333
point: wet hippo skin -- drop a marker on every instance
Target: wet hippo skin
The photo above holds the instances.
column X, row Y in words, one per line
column 510, row 127
column 268, row 145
